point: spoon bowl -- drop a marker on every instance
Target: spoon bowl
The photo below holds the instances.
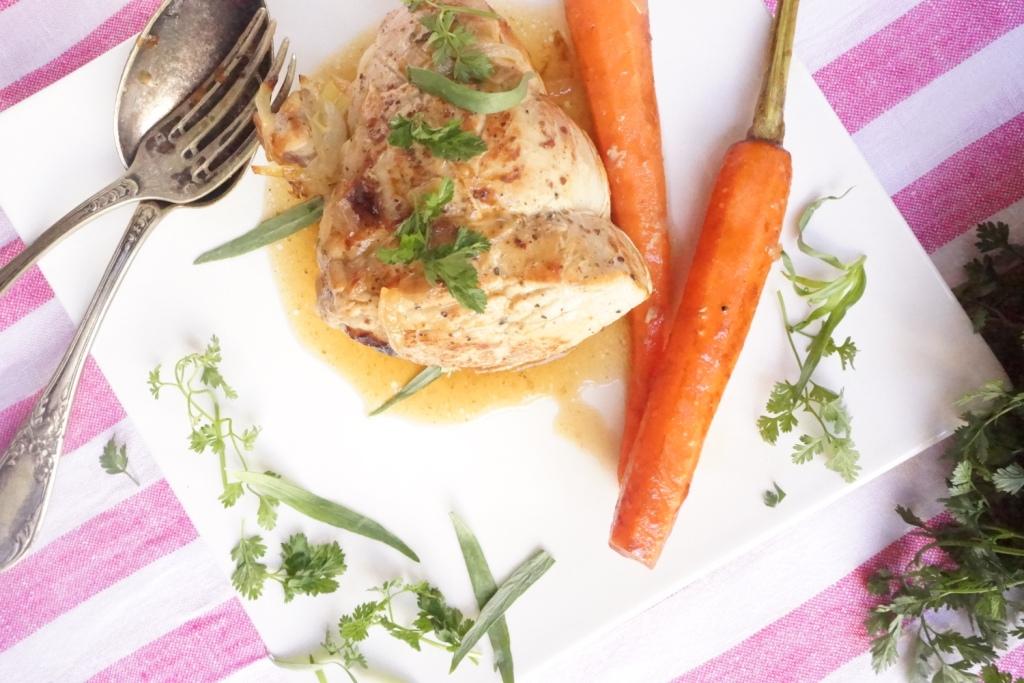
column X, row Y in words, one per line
column 181, row 46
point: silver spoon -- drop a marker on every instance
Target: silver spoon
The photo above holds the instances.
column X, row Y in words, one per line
column 185, row 42
column 182, row 45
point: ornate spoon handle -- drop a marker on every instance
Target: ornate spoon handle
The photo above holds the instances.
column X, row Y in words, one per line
column 117, row 193
column 28, row 464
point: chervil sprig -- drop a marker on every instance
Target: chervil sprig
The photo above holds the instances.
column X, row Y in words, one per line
column 449, row 141
column 305, row 569
column 198, row 379
column 436, row 625
column 829, row 301
column 451, row 263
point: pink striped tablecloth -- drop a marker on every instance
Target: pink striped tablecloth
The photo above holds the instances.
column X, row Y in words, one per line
column 933, row 93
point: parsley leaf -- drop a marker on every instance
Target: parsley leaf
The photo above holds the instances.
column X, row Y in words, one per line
column 829, row 301
column 1009, row 479
column 305, row 569
column 449, row 141
column 450, row 264
column 114, row 460
column 250, row 573
column 414, row 232
column 774, row 496
column 310, row 569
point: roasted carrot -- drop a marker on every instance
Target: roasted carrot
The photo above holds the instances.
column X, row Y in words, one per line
column 737, row 245
column 613, row 43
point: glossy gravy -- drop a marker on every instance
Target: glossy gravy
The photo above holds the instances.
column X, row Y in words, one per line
column 600, row 360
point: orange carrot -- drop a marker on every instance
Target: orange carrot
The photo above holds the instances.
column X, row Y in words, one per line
column 737, row 245
column 613, row 43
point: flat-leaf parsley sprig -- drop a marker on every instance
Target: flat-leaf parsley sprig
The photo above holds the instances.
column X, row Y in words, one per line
column 306, row 569
column 449, row 141
column 829, row 301
column 450, row 263
column 198, row 379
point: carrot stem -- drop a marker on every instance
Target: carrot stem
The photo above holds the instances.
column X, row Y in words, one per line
column 769, row 116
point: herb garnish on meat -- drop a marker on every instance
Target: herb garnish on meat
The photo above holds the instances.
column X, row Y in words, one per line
column 449, row 263
column 449, row 141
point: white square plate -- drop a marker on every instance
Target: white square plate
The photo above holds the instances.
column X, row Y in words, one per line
column 518, row 484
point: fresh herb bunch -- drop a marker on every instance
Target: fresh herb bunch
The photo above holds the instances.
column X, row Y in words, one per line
column 993, row 295
column 305, row 569
column 197, row 378
column 449, row 263
column 449, row 141
column 972, row 561
column 453, row 46
column 829, row 301
column 114, row 460
column 980, row 551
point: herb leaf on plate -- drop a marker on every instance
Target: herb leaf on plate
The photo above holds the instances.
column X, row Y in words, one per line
column 514, row 586
column 824, row 408
column 114, row 460
column 273, row 229
column 321, row 509
column 306, row 569
column 436, row 625
column 421, row 381
column 774, row 495
column 484, row 588
column 197, row 378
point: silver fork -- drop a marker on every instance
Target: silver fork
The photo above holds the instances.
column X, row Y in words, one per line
column 200, row 146
column 177, row 161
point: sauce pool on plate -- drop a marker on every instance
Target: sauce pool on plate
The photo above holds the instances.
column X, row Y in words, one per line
column 458, row 397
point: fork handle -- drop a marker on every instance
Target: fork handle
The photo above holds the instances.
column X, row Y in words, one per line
column 119, row 192
column 28, row 464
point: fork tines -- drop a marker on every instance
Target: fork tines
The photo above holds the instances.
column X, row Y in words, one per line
column 213, row 129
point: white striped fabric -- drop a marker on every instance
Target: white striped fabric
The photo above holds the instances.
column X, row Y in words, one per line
column 943, row 117
column 931, row 91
